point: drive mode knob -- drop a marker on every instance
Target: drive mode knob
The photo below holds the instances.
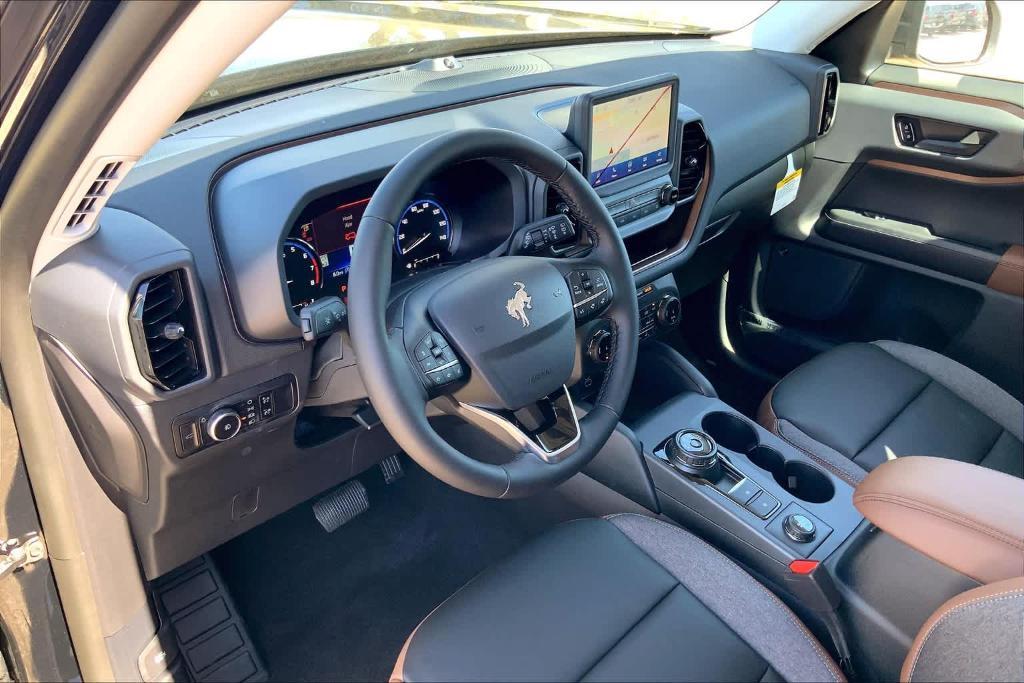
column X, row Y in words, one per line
column 223, row 424
column 799, row 528
column 692, row 450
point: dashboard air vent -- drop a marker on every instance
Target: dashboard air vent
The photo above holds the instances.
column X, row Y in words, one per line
column 693, row 159
column 163, row 328
column 829, row 95
column 553, row 202
column 79, row 217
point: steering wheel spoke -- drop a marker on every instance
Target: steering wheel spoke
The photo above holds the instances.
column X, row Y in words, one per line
column 435, row 361
column 589, row 286
column 548, row 429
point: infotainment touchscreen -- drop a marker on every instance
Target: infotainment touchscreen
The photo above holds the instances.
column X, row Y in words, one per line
column 630, row 134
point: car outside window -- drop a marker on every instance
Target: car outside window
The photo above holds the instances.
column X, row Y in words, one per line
column 323, row 38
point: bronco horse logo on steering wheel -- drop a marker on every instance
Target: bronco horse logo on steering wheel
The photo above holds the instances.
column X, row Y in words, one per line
column 517, row 305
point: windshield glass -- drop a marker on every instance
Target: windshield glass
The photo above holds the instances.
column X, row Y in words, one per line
column 321, row 38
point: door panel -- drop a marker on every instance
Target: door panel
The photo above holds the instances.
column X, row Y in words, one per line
column 891, row 241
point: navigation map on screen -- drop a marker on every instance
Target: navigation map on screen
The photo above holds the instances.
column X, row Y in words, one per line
column 629, row 134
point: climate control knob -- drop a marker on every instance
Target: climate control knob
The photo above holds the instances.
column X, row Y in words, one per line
column 670, row 311
column 223, row 424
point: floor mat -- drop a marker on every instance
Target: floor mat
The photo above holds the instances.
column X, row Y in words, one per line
column 339, row 606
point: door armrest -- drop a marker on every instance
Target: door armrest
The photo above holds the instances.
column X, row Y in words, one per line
column 967, row 517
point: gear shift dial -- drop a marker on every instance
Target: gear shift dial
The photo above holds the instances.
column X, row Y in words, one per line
column 693, row 452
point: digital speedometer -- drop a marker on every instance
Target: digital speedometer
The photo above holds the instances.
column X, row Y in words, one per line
column 423, row 235
column 318, row 252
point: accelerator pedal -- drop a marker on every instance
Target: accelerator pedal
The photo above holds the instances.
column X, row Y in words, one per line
column 342, row 505
column 391, row 468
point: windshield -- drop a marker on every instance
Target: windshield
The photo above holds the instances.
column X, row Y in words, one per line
column 321, row 38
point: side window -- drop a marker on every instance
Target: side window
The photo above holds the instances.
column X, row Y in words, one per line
column 984, row 39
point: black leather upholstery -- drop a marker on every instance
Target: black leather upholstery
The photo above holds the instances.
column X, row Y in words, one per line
column 865, row 401
column 584, row 602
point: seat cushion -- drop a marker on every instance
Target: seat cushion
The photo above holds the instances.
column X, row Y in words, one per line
column 857, row 405
column 626, row 598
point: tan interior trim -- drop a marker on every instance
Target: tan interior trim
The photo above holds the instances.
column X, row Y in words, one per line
column 947, row 175
column 1008, row 107
column 967, row 517
column 993, row 591
column 1008, row 277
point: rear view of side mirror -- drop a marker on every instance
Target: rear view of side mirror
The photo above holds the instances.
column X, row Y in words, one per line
column 953, row 32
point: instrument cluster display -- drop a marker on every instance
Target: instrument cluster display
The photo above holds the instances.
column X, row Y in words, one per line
column 318, row 252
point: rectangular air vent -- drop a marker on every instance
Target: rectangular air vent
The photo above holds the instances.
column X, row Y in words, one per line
column 80, row 215
column 693, row 159
column 553, row 200
column 164, row 332
column 829, row 96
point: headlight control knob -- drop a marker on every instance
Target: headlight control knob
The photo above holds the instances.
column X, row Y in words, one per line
column 799, row 527
column 669, row 311
column 223, row 424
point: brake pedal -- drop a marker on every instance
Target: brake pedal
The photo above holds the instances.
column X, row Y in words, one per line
column 341, row 505
column 391, row 468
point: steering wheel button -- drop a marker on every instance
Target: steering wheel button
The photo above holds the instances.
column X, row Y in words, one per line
column 429, row 363
column 437, row 352
column 437, row 339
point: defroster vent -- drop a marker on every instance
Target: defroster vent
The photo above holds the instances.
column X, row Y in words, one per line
column 693, row 160
column 163, row 328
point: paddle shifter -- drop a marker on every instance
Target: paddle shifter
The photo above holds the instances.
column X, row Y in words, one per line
column 695, row 453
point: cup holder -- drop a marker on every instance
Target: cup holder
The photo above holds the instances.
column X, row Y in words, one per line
column 730, row 431
column 803, row 481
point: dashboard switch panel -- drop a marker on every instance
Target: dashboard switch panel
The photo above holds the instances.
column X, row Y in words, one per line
column 233, row 416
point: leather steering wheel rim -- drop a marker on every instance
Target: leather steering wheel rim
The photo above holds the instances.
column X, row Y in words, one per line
column 388, row 373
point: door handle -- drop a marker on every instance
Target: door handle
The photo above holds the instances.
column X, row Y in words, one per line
column 943, row 137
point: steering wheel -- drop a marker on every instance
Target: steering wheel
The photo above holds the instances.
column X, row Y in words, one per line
column 494, row 340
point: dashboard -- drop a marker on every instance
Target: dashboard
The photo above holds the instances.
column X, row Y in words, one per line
column 238, row 218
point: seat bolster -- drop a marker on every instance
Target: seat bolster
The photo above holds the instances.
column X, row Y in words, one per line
column 971, row 637
column 983, row 394
column 753, row 612
column 823, row 454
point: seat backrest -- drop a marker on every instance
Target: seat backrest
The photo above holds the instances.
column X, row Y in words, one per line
column 975, row 636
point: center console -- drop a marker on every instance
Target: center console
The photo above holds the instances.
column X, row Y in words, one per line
column 863, row 590
column 766, row 501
